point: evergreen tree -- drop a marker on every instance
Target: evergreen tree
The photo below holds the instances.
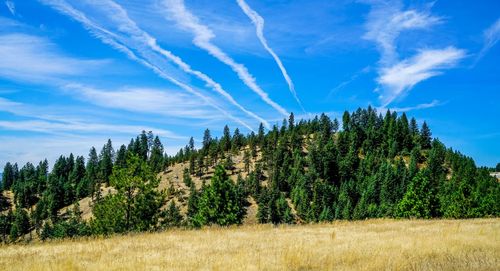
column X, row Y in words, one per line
column 425, row 137
column 173, row 217
column 207, row 140
column 220, row 202
column 137, row 202
column 76, row 179
column 21, row 224
column 416, row 202
column 8, row 176
column 91, row 184
column 106, row 161
column 156, row 159
column 226, row 139
column 121, row 157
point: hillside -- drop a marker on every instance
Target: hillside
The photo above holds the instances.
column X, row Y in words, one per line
column 363, row 245
column 310, row 171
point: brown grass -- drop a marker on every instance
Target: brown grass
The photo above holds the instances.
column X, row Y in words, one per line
column 364, row 245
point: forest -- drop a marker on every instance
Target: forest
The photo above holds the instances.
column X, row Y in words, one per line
column 366, row 165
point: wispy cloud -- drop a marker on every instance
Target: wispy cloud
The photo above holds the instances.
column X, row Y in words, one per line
column 117, row 43
column 401, row 77
column 348, row 81
column 176, row 10
column 432, row 104
column 11, row 7
column 144, row 100
column 258, row 21
column 52, row 127
column 386, row 21
column 141, row 40
column 32, row 58
column 39, row 120
column 491, row 37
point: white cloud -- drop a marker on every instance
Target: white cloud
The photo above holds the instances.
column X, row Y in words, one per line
column 11, row 7
column 145, row 100
column 348, row 81
column 69, row 127
column 491, row 37
column 386, row 21
column 432, row 104
column 176, row 10
column 258, row 21
column 146, row 60
column 32, row 58
column 42, row 121
column 142, row 41
column 401, row 77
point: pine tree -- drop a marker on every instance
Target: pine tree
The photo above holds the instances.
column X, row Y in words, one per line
column 42, row 173
column 142, row 145
column 156, row 159
column 416, row 202
column 247, row 161
column 8, row 176
column 76, row 179
column 425, row 137
column 121, row 157
column 220, row 203
column 173, row 217
column 291, row 121
column 91, row 184
column 21, row 224
column 226, row 139
column 207, row 140
column 106, row 161
column 136, row 204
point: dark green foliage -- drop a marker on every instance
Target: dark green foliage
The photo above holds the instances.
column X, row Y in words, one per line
column 186, row 178
column 156, row 158
column 90, row 185
column 192, row 204
column 273, row 208
column 378, row 165
column 136, row 204
column 5, row 225
column 172, row 216
column 20, row 224
column 226, row 139
column 220, row 202
column 106, row 161
column 425, row 136
column 416, row 202
column 25, row 187
column 8, row 175
column 72, row 227
column 121, row 156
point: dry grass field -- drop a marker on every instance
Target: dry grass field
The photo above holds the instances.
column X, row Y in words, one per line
column 365, row 245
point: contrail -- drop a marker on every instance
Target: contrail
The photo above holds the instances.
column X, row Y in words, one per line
column 118, row 15
column 112, row 39
column 258, row 21
column 202, row 38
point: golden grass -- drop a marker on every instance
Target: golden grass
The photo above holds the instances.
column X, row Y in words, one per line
column 364, row 245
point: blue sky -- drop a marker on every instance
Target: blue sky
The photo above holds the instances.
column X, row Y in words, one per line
column 76, row 72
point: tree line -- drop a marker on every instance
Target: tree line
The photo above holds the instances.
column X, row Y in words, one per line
column 368, row 165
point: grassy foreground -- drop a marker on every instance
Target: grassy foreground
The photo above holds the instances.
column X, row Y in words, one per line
column 364, row 245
